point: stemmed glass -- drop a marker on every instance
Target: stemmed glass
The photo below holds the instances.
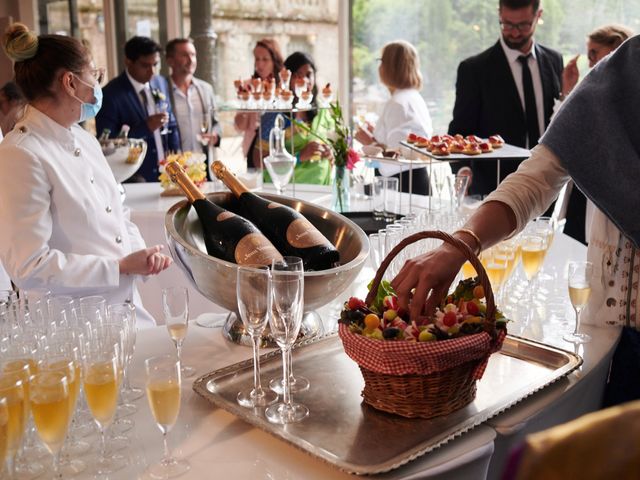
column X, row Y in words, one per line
column 13, row 390
column 438, row 180
column 280, row 170
column 51, row 408
column 296, row 384
column 163, row 375
column 163, row 107
column 254, row 303
column 459, row 189
column 287, row 295
column 100, row 384
column 124, row 314
column 580, row 275
column 4, row 429
column 175, row 306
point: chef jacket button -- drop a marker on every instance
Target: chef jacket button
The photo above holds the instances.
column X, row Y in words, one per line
column 118, row 239
column 76, row 152
column 22, row 129
column 108, row 209
column 92, row 180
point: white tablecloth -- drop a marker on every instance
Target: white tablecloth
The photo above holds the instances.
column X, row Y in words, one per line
column 217, row 444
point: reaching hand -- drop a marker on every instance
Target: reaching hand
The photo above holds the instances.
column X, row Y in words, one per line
column 364, row 136
column 431, row 275
column 570, row 76
column 314, row 151
column 148, row 261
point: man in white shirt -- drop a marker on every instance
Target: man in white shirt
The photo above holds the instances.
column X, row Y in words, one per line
column 140, row 99
column 508, row 90
column 192, row 99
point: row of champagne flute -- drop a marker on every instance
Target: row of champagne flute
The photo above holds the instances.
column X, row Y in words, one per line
column 64, row 337
column 275, row 296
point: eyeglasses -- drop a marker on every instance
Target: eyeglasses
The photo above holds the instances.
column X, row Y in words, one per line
column 522, row 27
column 97, row 73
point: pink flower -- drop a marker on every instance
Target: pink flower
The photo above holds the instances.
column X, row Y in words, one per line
column 352, row 158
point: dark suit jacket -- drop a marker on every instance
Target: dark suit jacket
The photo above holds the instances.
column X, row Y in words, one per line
column 487, row 103
column 122, row 105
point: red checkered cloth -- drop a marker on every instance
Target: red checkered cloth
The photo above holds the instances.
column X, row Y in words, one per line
column 419, row 358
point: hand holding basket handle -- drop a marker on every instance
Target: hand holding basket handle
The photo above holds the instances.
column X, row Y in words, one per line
column 438, row 286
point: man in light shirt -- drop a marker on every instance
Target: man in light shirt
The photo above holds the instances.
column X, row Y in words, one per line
column 140, row 99
column 193, row 101
column 508, row 90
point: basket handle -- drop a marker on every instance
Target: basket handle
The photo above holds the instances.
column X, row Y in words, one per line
column 464, row 249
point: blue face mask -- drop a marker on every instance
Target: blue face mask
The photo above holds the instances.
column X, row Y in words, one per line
column 90, row 110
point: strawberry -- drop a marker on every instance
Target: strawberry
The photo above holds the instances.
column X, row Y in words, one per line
column 390, row 302
column 472, row 308
column 450, row 319
column 354, row 303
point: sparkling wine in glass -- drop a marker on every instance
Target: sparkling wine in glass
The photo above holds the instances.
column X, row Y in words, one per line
column 13, row 391
column 4, row 430
column 254, row 303
column 163, row 374
column 175, row 305
column 287, row 295
column 163, row 107
column 51, row 409
column 101, row 384
column 580, row 276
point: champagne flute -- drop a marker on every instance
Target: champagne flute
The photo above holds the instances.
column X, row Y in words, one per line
column 51, row 408
column 163, row 107
column 100, row 384
column 287, row 296
column 175, row 306
column 4, row 430
column 125, row 315
column 205, row 127
column 12, row 389
column 163, row 392
column 580, row 275
column 254, row 303
column 296, row 384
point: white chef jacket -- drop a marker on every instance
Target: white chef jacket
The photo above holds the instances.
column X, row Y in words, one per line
column 405, row 112
column 64, row 227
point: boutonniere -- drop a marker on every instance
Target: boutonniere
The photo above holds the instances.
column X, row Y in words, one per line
column 157, row 95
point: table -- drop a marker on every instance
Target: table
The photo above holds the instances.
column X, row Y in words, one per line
column 215, row 441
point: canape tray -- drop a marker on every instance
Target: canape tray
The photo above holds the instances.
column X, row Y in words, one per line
column 356, row 438
column 506, row 152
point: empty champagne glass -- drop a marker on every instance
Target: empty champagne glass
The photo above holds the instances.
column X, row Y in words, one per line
column 287, row 295
column 298, row 383
column 254, row 303
column 163, row 107
column 580, row 275
column 125, row 314
column 51, row 408
column 163, row 375
column 175, row 306
column 459, row 190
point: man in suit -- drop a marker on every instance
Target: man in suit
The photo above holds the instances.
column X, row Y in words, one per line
column 509, row 89
column 140, row 99
column 193, row 101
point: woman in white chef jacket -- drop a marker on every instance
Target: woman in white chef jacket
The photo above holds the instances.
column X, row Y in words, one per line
column 64, row 229
column 405, row 112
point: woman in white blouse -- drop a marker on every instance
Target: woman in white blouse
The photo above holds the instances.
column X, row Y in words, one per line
column 64, row 227
column 405, row 112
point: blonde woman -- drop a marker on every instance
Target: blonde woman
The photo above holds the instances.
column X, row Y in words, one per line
column 406, row 110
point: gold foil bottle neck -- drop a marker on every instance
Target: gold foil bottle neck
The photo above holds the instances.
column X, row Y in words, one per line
column 229, row 179
column 180, row 177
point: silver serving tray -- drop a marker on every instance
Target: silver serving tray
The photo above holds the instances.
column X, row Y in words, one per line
column 356, row 438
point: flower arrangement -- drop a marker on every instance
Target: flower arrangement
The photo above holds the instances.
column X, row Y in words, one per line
column 193, row 164
column 344, row 156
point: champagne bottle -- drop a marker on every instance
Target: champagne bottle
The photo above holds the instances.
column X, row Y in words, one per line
column 226, row 235
column 289, row 230
column 104, row 136
column 122, row 140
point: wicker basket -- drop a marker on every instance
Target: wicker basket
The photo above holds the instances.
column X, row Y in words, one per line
column 424, row 379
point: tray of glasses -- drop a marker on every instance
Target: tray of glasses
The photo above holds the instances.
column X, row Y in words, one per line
column 354, row 437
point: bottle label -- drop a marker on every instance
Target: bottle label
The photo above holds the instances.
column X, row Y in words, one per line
column 255, row 249
column 274, row 205
column 224, row 216
column 302, row 234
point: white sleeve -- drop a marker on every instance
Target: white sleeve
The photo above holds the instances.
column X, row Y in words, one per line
column 137, row 242
column 530, row 190
column 397, row 123
column 27, row 228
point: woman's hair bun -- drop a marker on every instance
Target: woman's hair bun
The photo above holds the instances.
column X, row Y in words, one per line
column 19, row 42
